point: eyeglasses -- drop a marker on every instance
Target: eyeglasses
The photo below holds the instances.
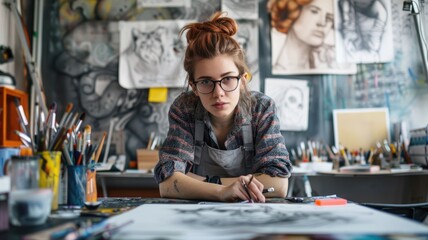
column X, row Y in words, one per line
column 228, row 84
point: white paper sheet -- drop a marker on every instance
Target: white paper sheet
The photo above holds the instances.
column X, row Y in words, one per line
column 292, row 102
column 244, row 221
column 151, row 54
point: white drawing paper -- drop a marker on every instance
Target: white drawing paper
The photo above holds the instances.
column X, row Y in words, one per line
column 247, row 221
column 308, row 45
column 292, row 102
column 364, row 31
column 151, row 54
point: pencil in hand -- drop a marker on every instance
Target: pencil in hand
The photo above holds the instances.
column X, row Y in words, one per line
column 246, row 188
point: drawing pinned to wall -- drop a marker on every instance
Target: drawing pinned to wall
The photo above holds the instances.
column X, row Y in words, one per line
column 302, row 38
column 241, row 9
column 248, row 38
column 292, row 102
column 364, row 31
column 152, row 54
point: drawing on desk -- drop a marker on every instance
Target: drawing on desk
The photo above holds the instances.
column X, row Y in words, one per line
column 151, row 54
column 257, row 216
column 246, row 221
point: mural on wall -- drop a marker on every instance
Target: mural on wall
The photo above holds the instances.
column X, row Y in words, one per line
column 302, row 37
column 152, row 54
column 364, row 31
column 82, row 67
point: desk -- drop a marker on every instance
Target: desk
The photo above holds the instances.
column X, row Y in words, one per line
column 127, row 184
column 155, row 218
column 378, row 187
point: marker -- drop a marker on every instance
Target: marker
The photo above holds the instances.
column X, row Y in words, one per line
column 330, row 201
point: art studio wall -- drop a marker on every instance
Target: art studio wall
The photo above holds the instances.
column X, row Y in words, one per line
column 101, row 56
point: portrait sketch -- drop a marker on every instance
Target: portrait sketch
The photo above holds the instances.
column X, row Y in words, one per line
column 151, row 54
column 292, row 102
column 364, row 31
column 302, row 35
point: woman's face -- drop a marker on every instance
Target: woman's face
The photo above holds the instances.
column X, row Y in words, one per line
column 314, row 22
column 220, row 104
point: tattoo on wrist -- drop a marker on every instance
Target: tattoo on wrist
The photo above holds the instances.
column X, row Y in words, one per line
column 176, row 186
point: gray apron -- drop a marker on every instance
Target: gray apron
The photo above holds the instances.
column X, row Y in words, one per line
column 223, row 163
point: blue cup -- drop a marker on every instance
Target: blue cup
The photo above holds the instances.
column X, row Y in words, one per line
column 76, row 185
column 5, row 154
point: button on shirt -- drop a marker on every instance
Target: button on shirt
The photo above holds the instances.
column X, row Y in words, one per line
column 177, row 153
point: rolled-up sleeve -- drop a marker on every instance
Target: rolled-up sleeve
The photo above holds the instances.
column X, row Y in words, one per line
column 271, row 155
column 177, row 152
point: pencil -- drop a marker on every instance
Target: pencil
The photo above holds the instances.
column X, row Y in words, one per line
column 246, row 188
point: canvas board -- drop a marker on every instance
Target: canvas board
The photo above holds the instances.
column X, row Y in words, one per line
column 360, row 128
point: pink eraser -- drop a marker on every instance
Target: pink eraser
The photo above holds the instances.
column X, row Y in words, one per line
column 330, row 201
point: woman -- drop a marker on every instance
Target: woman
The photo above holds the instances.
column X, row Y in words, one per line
column 224, row 142
column 306, row 24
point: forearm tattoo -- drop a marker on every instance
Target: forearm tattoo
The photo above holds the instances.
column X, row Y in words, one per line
column 176, row 186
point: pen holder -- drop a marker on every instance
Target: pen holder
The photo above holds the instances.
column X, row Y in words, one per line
column 50, row 165
column 76, row 185
column 91, row 185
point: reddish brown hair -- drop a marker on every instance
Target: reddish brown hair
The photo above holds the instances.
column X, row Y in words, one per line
column 283, row 13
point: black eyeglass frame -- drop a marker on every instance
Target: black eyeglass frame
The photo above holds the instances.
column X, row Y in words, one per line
column 238, row 78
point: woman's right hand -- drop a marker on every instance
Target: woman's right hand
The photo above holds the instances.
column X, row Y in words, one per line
column 236, row 191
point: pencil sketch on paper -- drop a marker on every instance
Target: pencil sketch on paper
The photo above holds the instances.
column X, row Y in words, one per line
column 364, row 31
column 241, row 9
column 256, row 216
column 248, row 38
column 292, row 102
column 302, row 38
column 151, row 54
column 246, row 221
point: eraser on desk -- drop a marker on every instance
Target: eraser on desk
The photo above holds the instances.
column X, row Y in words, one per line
column 330, row 201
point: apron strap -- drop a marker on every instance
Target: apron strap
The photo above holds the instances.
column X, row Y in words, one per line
column 199, row 136
column 199, row 141
column 247, row 135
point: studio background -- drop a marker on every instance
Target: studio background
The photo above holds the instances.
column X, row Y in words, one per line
column 80, row 50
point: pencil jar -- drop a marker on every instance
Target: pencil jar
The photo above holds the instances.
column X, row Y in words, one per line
column 50, row 165
column 76, row 185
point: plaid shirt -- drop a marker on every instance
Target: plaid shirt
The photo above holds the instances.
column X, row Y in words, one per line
column 177, row 153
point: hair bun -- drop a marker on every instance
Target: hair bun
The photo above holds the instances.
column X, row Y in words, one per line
column 218, row 24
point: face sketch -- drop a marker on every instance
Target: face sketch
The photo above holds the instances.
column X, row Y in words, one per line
column 314, row 23
column 220, row 104
column 291, row 106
